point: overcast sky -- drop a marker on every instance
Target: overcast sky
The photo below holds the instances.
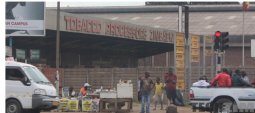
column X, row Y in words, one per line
column 94, row 4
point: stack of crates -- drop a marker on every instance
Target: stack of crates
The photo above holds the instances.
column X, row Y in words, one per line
column 73, row 105
column 63, row 104
column 86, row 104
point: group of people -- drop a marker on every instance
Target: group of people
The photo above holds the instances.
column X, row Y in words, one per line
column 146, row 87
column 225, row 79
column 83, row 91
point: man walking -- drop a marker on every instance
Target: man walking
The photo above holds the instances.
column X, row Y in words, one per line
column 170, row 80
column 146, row 87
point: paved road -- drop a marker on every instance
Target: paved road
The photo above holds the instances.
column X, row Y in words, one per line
column 136, row 109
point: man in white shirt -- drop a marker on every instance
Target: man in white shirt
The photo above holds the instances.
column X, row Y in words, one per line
column 201, row 83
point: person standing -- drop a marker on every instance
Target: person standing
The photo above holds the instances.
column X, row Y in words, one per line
column 237, row 80
column 170, row 80
column 83, row 90
column 201, row 82
column 158, row 96
column 245, row 77
column 139, row 89
column 146, row 87
column 71, row 92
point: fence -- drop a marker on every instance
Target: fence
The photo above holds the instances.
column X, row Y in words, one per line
column 109, row 77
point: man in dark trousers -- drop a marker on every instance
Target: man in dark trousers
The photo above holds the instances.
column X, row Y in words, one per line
column 171, row 92
column 146, row 87
column 170, row 80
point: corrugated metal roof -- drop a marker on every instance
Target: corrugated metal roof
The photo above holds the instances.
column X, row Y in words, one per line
column 204, row 19
column 202, row 23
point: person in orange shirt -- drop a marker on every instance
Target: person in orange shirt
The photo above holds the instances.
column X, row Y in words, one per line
column 84, row 89
column 222, row 79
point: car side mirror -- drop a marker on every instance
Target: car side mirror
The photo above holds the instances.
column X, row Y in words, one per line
column 27, row 81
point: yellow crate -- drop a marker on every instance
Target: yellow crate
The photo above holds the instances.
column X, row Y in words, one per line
column 73, row 105
column 87, row 105
column 63, row 104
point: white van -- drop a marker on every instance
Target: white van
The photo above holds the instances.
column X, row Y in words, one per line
column 27, row 89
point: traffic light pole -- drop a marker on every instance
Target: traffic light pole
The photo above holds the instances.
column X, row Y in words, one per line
column 218, row 61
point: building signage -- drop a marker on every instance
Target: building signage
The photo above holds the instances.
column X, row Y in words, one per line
column 117, row 29
column 195, row 50
column 179, row 49
column 208, row 39
column 208, row 52
column 179, row 60
column 25, row 19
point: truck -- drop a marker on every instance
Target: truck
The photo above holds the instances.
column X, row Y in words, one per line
column 27, row 89
column 223, row 100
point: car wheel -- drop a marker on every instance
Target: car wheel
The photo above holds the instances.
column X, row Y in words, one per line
column 223, row 105
column 13, row 106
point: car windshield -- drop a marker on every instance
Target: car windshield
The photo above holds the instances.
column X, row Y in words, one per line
column 36, row 75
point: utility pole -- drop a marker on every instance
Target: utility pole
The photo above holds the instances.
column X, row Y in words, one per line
column 57, row 48
column 246, row 7
column 204, row 64
column 187, row 43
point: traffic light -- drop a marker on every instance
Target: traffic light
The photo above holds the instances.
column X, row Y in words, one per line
column 217, row 40
column 224, row 39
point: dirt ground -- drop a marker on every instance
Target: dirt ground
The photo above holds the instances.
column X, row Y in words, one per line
column 136, row 109
column 186, row 109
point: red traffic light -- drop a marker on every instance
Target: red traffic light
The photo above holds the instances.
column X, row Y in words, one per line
column 217, row 34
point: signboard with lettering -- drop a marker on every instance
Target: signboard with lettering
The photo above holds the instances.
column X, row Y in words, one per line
column 180, row 57
column 92, row 25
column 195, row 42
column 208, row 39
column 208, row 52
column 194, row 58
column 180, row 49
column 180, row 75
column 25, row 19
column 179, row 40
column 195, row 52
column 180, row 69
column 180, row 63
column 180, row 84
column 179, row 60
column 195, row 48
column 20, row 54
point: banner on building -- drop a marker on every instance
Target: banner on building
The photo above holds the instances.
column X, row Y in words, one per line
column 25, row 19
